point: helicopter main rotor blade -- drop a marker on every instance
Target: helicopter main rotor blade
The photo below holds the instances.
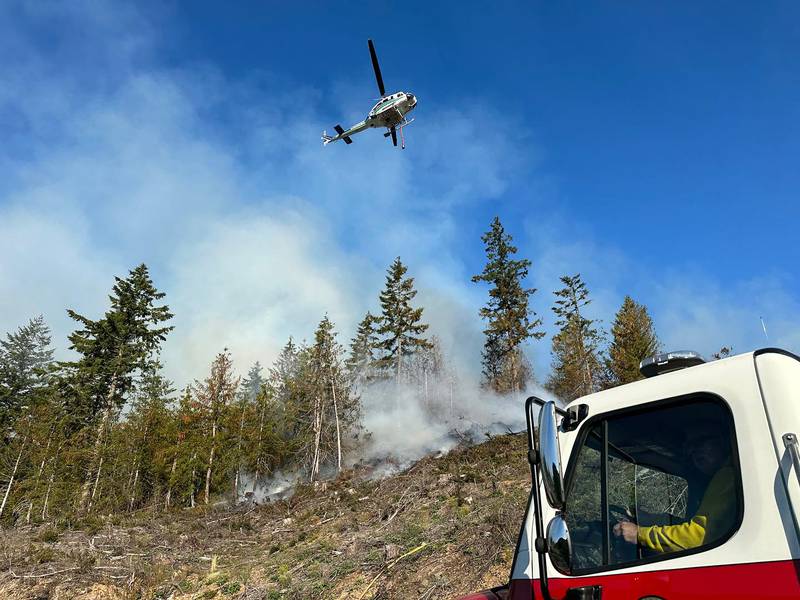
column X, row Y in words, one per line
column 377, row 68
column 393, row 131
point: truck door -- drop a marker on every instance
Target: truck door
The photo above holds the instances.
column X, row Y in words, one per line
column 647, row 488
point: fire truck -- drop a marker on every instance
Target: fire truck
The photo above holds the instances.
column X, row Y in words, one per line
column 685, row 484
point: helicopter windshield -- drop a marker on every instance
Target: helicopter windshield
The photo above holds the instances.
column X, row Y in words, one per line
column 382, row 103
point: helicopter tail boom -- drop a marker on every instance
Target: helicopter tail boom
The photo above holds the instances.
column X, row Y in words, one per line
column 340, row 131
column 341, row 134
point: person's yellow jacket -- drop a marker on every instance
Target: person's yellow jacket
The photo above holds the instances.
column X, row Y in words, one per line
column 714, row 517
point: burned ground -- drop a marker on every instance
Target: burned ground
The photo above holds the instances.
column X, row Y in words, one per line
column 443, row 527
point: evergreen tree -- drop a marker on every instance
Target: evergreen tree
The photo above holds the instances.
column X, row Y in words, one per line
column 252, row 383
column 330, row 411
column 126, row 341
column 25, row 359
column 265, row 450
column 400, row 323
column 361, row 361
column 187, row 437
column 146, row 434
column 286, row 383
column 633, row 340
column 576, row 359
column 510, row 322
column 215, row 395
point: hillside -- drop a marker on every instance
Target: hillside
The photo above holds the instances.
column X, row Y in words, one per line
column 444, row 527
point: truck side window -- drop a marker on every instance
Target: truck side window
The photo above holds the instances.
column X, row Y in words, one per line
column 651, row 484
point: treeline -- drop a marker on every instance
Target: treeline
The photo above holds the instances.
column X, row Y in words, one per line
column 107, row 432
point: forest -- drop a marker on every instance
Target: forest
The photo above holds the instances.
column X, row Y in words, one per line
column 106, row 432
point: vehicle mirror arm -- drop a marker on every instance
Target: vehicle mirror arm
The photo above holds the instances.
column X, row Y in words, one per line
column 540, row 543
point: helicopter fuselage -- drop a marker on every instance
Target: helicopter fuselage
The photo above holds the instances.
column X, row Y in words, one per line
column 391, row 110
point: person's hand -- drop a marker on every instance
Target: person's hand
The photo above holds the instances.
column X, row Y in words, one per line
column 627, row 530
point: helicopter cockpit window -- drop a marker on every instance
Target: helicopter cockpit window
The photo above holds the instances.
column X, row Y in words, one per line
column 649, row 485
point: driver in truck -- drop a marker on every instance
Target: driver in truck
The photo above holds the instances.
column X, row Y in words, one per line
column 709, row 453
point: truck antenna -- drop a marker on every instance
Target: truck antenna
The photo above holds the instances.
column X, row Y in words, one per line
column 764, row 327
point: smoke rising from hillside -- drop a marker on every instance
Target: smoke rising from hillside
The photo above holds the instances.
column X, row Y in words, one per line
column 403, row 423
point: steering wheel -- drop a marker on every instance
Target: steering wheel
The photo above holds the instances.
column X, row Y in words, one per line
column 620, row 513
column 619, row 547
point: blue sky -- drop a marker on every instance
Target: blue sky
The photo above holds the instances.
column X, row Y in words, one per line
column 651, row 148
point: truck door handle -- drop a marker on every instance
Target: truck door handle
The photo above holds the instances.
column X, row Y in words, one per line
column 587, row 592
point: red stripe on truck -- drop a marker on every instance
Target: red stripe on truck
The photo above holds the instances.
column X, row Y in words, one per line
column 768, row 581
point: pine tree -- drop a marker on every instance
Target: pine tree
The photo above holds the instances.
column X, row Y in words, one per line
column 252, row 383
column 400, row 323
column 332, row 408
column 265, row 450
column 286, row 383
column 126, row 341
column 146, row 433
column 215, row 395
column 25, row 359
column 510, row 322
column 633, row 340
column 187, row 437
column 576, row 359
column 361, row 361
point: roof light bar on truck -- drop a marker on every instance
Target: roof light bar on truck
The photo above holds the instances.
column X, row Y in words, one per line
column 658, row 364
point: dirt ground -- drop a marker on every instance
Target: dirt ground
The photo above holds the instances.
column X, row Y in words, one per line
column 445, row 527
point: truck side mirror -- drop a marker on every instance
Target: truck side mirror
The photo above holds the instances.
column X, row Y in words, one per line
column 550, row 456
column 559, row 546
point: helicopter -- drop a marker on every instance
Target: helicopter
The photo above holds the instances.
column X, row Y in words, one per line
column 389, row 112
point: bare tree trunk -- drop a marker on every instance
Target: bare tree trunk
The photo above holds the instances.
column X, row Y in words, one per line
column 338, row 430
column 169, row 483
column 194, row 472
column 318, row 406
column 51, row 480
column 137, row 461
column 399, row 360
column 96, row 458
column 211, row 460
column 237, row 479
column 13, row 474
column 133, row 491
column 96, row 483
column 38, row 477
column 514, row 374
column 261, row 417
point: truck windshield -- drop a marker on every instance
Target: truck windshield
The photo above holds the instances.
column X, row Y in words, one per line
column 652, row 483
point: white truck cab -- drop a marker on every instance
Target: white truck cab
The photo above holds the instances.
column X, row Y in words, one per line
column 682, row 485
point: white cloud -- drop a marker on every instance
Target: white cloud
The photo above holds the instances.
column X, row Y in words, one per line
column 255, row 230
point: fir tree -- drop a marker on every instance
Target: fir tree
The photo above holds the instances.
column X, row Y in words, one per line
column 400, row 324
column 252, row 383
column 332, row 408
column 265, row 450
column 113, row 349
column 633, row 340
column 215, row 395
column 145, row 435
column 361, row 361
column 187, row 436
column 576, row 360
column 25, row 358
column 510, row 321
